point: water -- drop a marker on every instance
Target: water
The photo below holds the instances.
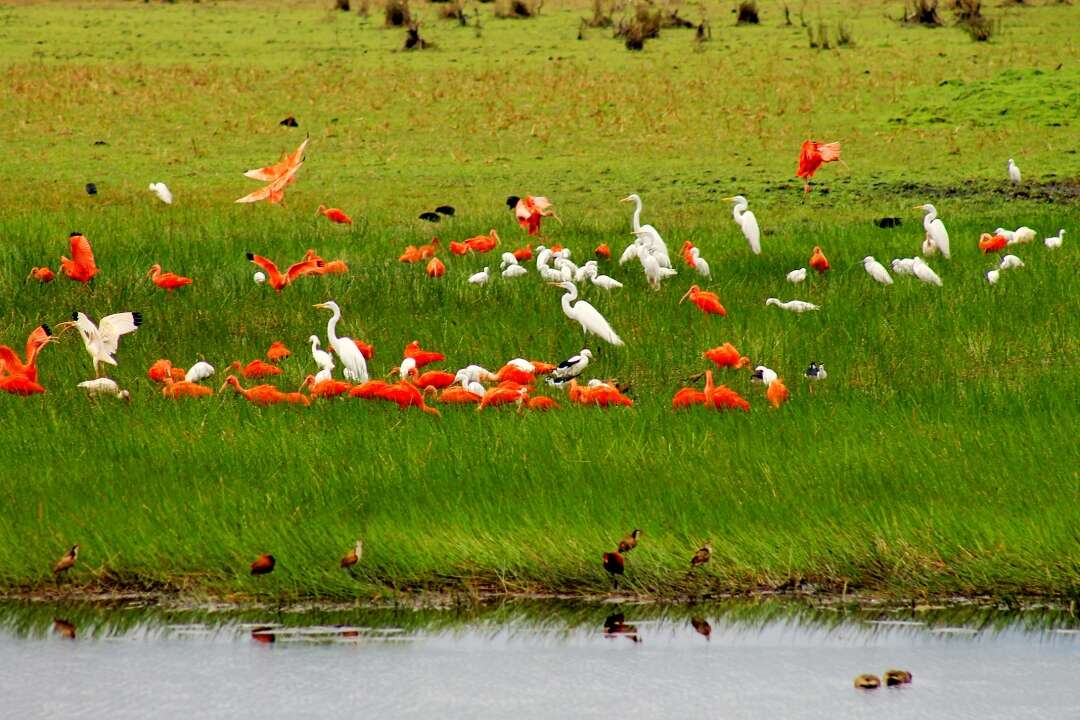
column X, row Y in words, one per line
column 533, row 660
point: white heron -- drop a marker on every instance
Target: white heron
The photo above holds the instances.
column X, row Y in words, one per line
column 1055, row 242
column 586, row 271
column 351, row 357
column 935, row 229
column 654, row 242
column 1022, row 234
column 992, row 276
column 586, row 315
column 104, row 386
column 606, row 282
column 322, row 358
column 406, row 367
column 102, row 340
column 1008, row 262
column 631, row 252
column 162, row 191
column 543, row 256
column 474, row 373
column 796, row 276
column 513, row 271
column 876, row 270
column 902, row 266
column 700, row 265
column 480, row 278
column 323, row 374
column 508, row 259
column 921, row 270
column 199, row 371
column 746, row 220
column 795, row 306
column 763, row 375
column 570, row 368
column 1014, row 172
column 259, row 278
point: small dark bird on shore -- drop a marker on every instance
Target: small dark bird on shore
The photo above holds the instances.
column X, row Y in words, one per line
column 702, row 556
column 897, row 677
column 701, row 626
column 67, row 561
column 289, row 122
column 353, row 556
column 64, row 628
column 264, row 565
column 613, row 563
column 867, row 682
column 888, row 222
column 91, row 189
column 629, row 542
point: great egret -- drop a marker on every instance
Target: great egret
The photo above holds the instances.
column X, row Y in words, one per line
column 1014, row 172
column 586, row 315
column 922, row 271
column 199, row 371
column 796, row 276
column 653, row 241
column 1055, row 242
column 1008, row 262
column 514, row 271
column 816, row 371
column 935, row 229
column 570, row 368
column 746, row 220
column 351, row 357
column 162, row 191
column 902, row 266
column 876, row 270
column 104, row 386
column 101, row 341
column 795, row 306
column 480, row 278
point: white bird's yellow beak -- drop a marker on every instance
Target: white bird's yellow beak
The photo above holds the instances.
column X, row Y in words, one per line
column 320, row 305
column 625, row 199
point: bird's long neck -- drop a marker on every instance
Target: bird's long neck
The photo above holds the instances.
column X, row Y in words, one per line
column 637, row 214
column 928, row 218
column 738, row 210
column 570, row 296
column 331, row 326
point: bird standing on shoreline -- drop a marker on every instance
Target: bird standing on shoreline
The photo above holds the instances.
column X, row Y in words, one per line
column 615, row 566
column 353, row 556
column 66, row 562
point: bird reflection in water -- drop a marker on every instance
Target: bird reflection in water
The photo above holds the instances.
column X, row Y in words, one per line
column 615, row 625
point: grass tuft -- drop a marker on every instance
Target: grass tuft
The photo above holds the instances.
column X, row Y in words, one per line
column 397, row 14
column 746, row 13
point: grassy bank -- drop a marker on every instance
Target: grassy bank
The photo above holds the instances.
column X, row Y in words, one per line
column 939, row 457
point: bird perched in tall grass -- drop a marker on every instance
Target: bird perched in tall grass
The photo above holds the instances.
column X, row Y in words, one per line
column 629, row 542
column 747, row 222
column 586, row 315
column 937, row 237
column 162, row 191
column 1054, row 242
column 702, row 556
column 346, row 348
column 707, row 302
column 1014, row 172
column 102, row 341
column 66, row 562
column 353, row 556
column 263, row 565
column 876, row 270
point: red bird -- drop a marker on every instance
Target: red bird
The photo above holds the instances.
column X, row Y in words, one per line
column 722, row 397
column 274, row 276
column 530, row 211
column 458, row 248
column 818, row 261
column 458, row 396
column 542, row 368
column 726, row 356
column 11, row 365
column 433, row 378
column 41, row 274
column 163, row 370
column 436, row 268
column 20, row 385
column 184, row 389
column 409, row 255
column 167, row 281
column 992, row 243
column 483, row 243
column 263, row 565
column 707, row 301
column 429, row 250
column 514, row 374
column 406, row 395
column 686, row 397
column 280, row 175
column 523, row 254
column 542, row 403
column 602, row 251
column 504, row 394
column 335, row 215
column 777, row 393
column 277, row 352
column 325, row 388
column 812, row 156
column 369, row 390
column 421, row 356
column 264, row 394
column 614, row 564
column 81, row 267
column 256, row 369
column 688, row 256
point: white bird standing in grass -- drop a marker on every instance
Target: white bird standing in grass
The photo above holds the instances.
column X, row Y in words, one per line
column 480, row 278
column 104, row 386
column 795, row 306
column 936, row 234
column 700, row 265
column 163, row 192
column 654, row 243
column 1008, row 262
column 351, row 357
column 508, row 259
column 763, row 375
column 515, row 270
column 921, row 270
column 605, row 281
column 796, row 276
column 1022, row 234
column 199, row 371
column 1055, row 242
column 902, row 266
column 102, row 340
column 1014, row 172
column 586, row 315
column 876, row 270
column 746, row 220
column 570, row 368
column 406, row 367
column 322, row 358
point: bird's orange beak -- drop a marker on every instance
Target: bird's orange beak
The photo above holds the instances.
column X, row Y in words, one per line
column 686, row 295
column 64, row 327
column 320, row 305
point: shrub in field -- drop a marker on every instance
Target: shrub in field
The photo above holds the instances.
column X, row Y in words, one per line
column 969, row 16
column 703, row 33
column 747, row 13
column 397, row 13
column 518, row 8
column 342, row 5
column 922, row 12
column 819, row 39
column 672, row 20
column 413, row 41
column 453, row 11
column 601, row 15
column 844, row 37
column 644, row 25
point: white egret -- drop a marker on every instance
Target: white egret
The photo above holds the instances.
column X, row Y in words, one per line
column 514, row 271
column 586, row 315
column 323, row 374
column 763, row 375
column 700, row 265
column 935, row 229
column 474, row 373
column 605, row 282
column 351, row 357
column 570, row 368
column 259, row 278
column 102, row 340
column 507, row 260
column 543, row 256
column 876, row 270
column 199, row 371
column 902, row 266
column 1008, row 262
column 549, row 275
column 406, row 367
column 1055, row 242
column 104, row 386
column 480, row 278
column 162, row 191
column 796, row 276
column 586, row 271
column 746, row 220
column 921, row 270
column 654, row 242
column 1007, row 234
column 992, row 276
column 322, row 358
column 652, row 270
column 1014, row 172
column 632, row 252
column 1022, row 234
column 795, row 306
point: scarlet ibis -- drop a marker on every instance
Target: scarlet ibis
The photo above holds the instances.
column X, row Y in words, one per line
column 167, row 281
column 702, row 556
column 429, row 250
column 334, row 215
column 777, row 393
column 42, row 274
column 409, row 255
column 279, row 176
column 603, row 251
column 504, row 394
column 277, row 352
column 483, row 243
column 615, row 566
column 406, row 395
column 353, row 556
column 101, row 341
column 162, row 369
column 81, row 267
column 20, row 385
column 264, row 394
column 541, row 403
column 992, row 243
column 433, row 378
column 813, row 155
column 629, row 542
column 726, row 356
column 523, row 254
column 458, row 396
column 458, row 248
column 708, row 302
column 263, row 565
column 515, row 374
column 530, row 211
column 10, row 364
column 66, row 562
column 184, row 389
column 256, row 369
column 369, row 390
column 818, row 261
column 436, row 268
column 325, row 388
column 277, row 280
column 686, row 397
column 420, row 356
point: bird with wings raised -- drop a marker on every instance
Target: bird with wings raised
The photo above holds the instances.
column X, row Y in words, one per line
column 279, row 175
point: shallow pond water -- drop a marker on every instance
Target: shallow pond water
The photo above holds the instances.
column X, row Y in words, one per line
column 534, row 660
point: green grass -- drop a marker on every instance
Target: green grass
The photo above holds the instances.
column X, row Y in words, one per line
column 939, row 457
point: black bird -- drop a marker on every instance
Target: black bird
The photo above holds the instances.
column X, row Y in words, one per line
column 289, row 122
column 613, row 563
column 100, row 142
column 91, row 189
column 512, row 201
column 447, row 210
column 701, row 557
column 888, row 222
column 430, row 217
column 816, row 371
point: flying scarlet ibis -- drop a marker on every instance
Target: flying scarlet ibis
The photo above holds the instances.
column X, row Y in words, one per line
column 277, row 280
column 530, row 211
column 279, row 176
column 812, row 156
column 81, row 267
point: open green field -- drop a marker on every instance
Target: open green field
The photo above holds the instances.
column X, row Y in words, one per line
column 941, row 455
